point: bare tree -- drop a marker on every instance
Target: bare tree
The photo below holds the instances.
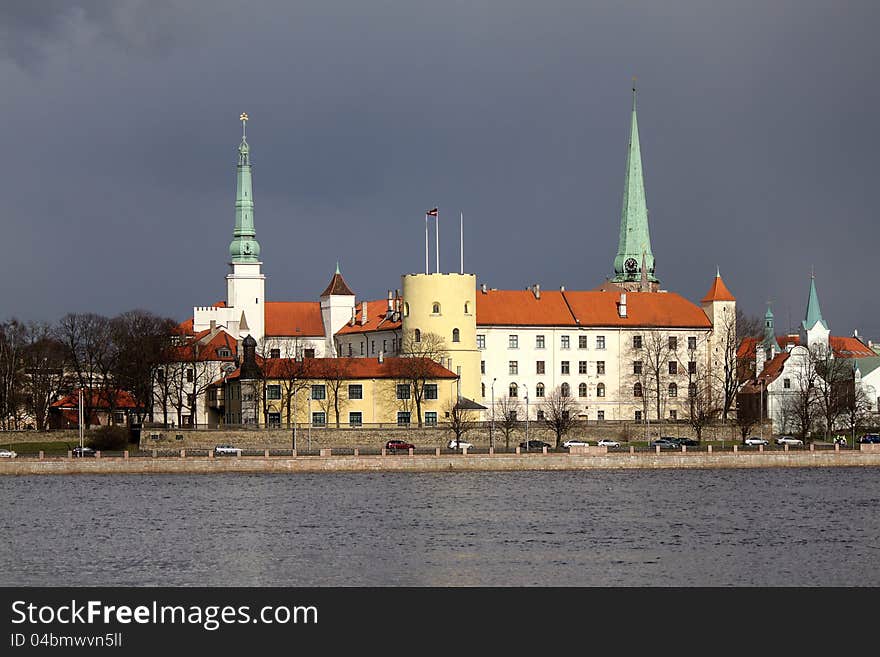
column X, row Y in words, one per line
column 334, row 372
column 415, row 367
column 704, row 403
column 834, row 380
column 461, row 419
column 728, row 366
column 507, row 417
column 559, row 413
column 856, row 408
column 90, row 353
column 12, row 347
column 45, row 378
column 800, row 406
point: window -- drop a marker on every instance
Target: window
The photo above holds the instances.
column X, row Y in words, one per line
column 786, row 383
column 467, row 308
column 273, row 391
column 673, row 390
column 513, row 342
column 692, row 343
column 405, row 309
column 600, row 367
column 539, row 390
column 160, row 376
column 319, row 392
column 512, row 391
column 564, row 342
column 481, row 342
column 673, row 343
column 692, row 390
column 349, row 349
column 565, row 415
column 540, row 414
column 435, row 308
column 430, row 418
column 223, row 352
column 355, row 418
column 362, row 347
column 417, row 335
column 186, row 420
column 638, row 416
column 600, row 390
column 565, row 368
column 539, row 367
column 513, row 367
column 384, row 345
column 582, row 367
column 275, row 353
column 637, row 342
column 637, row 367
column 637, row 390
column 582, row 390
column 273, row 419
column 483, row 389
column 372, row 346
column 482, row 367
column 673, row 415
column 356, row 391
column 189, row 376
column 692, row 367
column 403, row 391
column 456, row 335
column 430, row 391
column 673, row 367
column 403, row 418
column 308, row 353
column 512, row 415
column 539, row 342
column 600, row 342
column 565, row 389
column 582, row 342
column 319, row 419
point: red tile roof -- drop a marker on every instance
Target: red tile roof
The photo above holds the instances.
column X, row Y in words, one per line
column 203, row 347
column 353, row 368
column 521, row 308
column 718, row 291
column 186, row 327
column 99, row 400
column 376, row 312
column 660, row 309
column 843, row 347
column 337, row 285
column 284, row 317
column 773, row 368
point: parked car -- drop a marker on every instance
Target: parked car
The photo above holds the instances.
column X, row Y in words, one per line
column 575, row 443
column 755, row 440
column 664, row 443
column 607, row 442
column 461, row 444
column 83, row 451
column 226, row 450
column 7, row 454
column 395, row 446
column 788, row 440
column 535, row 445
column 689, row 442
column 870, row 438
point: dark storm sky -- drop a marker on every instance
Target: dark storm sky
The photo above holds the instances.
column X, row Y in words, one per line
column 758, row 127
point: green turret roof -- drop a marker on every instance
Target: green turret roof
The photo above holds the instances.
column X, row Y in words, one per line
column 814, row 314
column 635, row 240
column 244, row 246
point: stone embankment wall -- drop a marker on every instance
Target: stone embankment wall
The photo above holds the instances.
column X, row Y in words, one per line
column 59, row 436
column 441, row 463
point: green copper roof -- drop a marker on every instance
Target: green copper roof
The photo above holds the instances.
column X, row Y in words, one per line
column 814, row 314
column 244, row 246
column 635, row 239
column 769, row 332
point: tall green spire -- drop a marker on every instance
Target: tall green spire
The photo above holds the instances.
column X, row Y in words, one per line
column 769, row 331
column 244, row 246
column 635, row 239
column 813, row 313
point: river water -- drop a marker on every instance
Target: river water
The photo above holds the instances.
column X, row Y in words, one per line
column 773, row 527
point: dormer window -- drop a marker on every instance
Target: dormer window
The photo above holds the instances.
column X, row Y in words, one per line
column 223, row 352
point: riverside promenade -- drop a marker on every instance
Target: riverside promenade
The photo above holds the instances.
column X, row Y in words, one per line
column 440, row 462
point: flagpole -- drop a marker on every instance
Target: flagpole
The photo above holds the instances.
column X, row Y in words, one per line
column 437, row 241
column 426, row 242
column 461, row 240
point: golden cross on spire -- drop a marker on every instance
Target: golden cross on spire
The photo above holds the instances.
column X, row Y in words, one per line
column 243, row 118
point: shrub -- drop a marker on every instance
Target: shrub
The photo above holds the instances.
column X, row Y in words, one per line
column 109, row 439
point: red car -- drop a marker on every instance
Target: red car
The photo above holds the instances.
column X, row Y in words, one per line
column 394, row 446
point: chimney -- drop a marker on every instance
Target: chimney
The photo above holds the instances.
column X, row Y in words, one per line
column 213, row 325
column 483, row 288
column 390, row 309
column 537, row 291
column 381, row 357
column 353, row 319
column 363, row 312
column 562, row 288
column 621, row 305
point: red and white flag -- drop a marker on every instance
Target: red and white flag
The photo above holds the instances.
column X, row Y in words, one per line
column 432, row 213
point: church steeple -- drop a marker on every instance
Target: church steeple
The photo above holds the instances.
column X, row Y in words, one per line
column 634, row 247
column 814, row 314
column 244, row 246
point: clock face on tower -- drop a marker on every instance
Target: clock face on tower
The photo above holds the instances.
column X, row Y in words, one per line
column 631, row 265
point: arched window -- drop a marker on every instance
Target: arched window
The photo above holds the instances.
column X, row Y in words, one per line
column 435, row 308
column 418, row 335
column 600, row 390
column 483, row 388
column 692, row 390
column 566, row 390
column 513, row 391
column 456, row 336
column 405, row 309
column 467, row 307
column 539, row 390
column 637, row 390
column 582, row 390
column 673, row 390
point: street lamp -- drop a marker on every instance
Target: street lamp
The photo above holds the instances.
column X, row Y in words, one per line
column 492, row 425
column 309, row 438
column 527, row 415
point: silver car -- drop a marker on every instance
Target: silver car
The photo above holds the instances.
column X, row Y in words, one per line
column 788, row 440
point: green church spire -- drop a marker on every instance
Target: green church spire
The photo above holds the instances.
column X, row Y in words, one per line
column 244, row 246
column 635, row 239
column 813, row 313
